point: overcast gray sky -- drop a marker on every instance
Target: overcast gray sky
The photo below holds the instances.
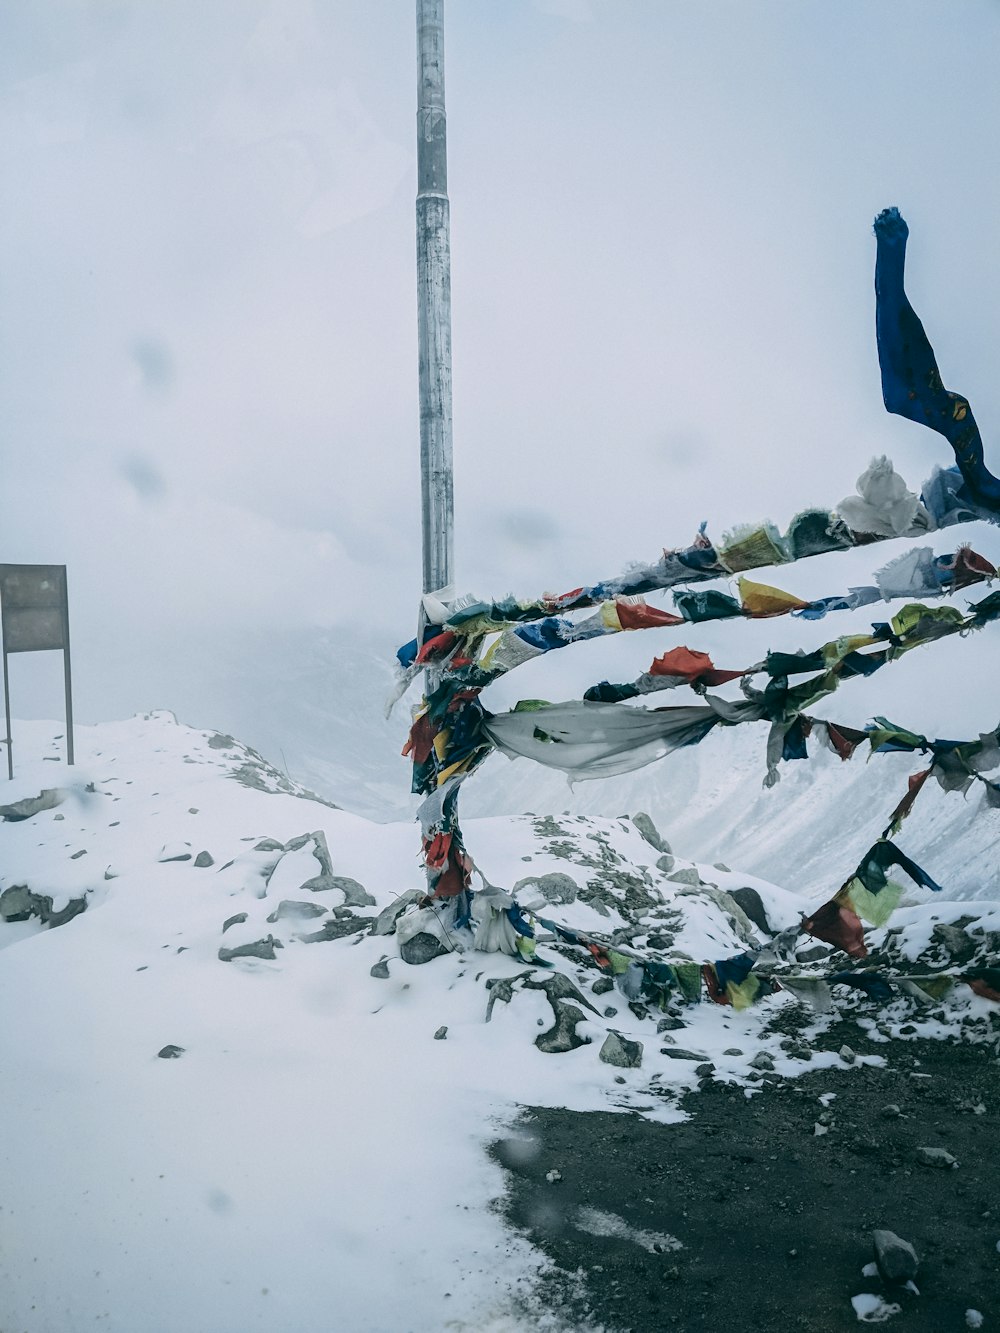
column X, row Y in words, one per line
column 662, row 279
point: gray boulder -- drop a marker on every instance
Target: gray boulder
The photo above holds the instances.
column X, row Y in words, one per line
column 620, row 1051
column 203, row 860
column 896, row 1258
column 291, row 907
column 938, row 1157
column 650, row 832
column 422, row 948
column 47, row 799
column 385, row 922
column 750, row 900
column 258, row 949
column 355, row 894
column 562, row 1036
column 554, row 887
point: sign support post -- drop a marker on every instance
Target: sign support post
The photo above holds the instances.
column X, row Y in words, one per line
column 34, row 618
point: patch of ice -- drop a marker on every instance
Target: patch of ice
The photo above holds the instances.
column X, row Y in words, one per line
column 872, row 1309
column 596, row 1223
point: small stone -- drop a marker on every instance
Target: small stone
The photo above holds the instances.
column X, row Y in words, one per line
column 610, row 1011
column 619, row 1050
column 170, row 1052
column 687, row 875
column 553, row 1176
column 203, row 860
column 669, row 1024
column 938, row 1157
column 620, row 1078
column 269, row 845
column 175, row 851
column 706, row 1070
column 847, row 1055
column 665, row 863
column 380, row 970
column 896, row 1258
column 678, row 1053
column 236, row 920
column 762, row 1061
column 441, row 1033
column 891, row 1112
column 83, row 852
column 819, row 1130
column 732, row 1050
column 602, row 985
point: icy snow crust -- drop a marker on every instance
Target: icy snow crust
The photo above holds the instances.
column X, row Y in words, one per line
column 313, row 1158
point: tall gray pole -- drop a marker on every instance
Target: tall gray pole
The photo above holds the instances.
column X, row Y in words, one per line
column 434, row 300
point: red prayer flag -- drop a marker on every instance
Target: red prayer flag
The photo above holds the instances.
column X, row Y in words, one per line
column 837, row 924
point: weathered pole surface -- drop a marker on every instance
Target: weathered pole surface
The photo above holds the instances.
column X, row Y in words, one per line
column 434, row 301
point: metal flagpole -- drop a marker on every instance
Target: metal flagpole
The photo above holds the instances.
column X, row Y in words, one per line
column 434, row 301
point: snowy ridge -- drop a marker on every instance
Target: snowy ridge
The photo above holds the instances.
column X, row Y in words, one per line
column 311, row 1147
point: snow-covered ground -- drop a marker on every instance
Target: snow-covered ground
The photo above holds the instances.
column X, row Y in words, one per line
column 312, row 1157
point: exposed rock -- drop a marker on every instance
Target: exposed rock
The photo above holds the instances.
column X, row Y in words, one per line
column 355, row 894
column 170, row 1052
column 762, row 1061
column 896, row 1258
column 19, row 903
column 687, row 875
column 47, row 799
column 669, row 1024
column 679, row 1053
column 557, row 986
column 269, row 845
column 847, row 1055
column 649, row 831
column 959, row 946
column 236, row 920
column 441, row 1033
column 258, row 949
column 380, row 970
column 421, row 948
column 555, row 887
column 602, row 985
column 938, row 1157
column 73, row 908
column 502, row 988
column 291, row 907
column 721, row 865
column 811, row 953
column 752, row 904
column 706, row 1070
column 732, row 1050
column 666, row 863
column 891, row 1112
column 385, row 922
column 562, row 1036
column 618, row 1050
column 203, row 860
column 337, row 928
column 175, row 851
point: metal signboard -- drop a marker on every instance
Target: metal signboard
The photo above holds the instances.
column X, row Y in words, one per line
column 34, row 617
